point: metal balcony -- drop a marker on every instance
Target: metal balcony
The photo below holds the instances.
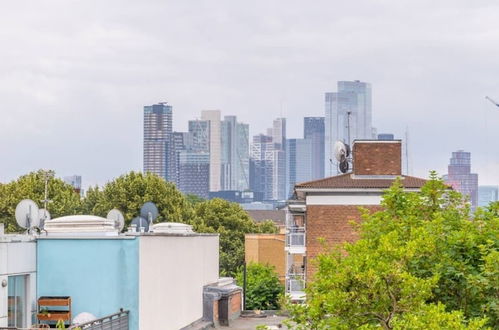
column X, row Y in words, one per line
column 295, row 241
column 295, row 287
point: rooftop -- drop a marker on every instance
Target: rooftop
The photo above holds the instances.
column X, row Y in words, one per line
column 351, row 181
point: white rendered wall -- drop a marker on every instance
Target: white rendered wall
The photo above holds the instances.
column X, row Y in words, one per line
column 18, row 258
column 344, row 199
column 172, row 273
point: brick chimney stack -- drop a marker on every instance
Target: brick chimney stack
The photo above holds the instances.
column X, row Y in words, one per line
column 377, row 157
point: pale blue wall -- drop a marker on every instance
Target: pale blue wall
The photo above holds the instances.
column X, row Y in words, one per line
column 100, row 275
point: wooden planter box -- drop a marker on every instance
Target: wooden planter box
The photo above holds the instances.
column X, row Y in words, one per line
column 54, row 301
column 55, row 316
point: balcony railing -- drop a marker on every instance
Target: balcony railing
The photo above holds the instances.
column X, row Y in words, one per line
column 295, row 239
column 118, row 321
column 296, row 283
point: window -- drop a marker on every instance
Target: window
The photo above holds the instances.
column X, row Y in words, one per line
column 17, row 306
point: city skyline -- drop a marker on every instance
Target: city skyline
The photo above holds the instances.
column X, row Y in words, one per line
column 71, row 91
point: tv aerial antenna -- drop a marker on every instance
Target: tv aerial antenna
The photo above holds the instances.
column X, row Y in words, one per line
column 27, row 214
column 118, row 218
column 44, row 216
column 492, row 101
column 342, row 154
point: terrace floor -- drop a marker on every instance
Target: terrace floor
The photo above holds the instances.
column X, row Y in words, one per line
column 250, row 323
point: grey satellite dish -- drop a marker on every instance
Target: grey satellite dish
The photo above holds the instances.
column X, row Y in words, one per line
column 343, row 166
column 149, row 211
column 340, row 151
column 117, row 217
column 27, row 214
column 43, row 215
column 140, row 222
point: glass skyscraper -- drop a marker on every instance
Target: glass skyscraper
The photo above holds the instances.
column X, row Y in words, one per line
column 159, row 153
column 487, row 195
column 313, row 129
column 300, row 159
column 235, row 154
column 459, row 176
column 348, row 116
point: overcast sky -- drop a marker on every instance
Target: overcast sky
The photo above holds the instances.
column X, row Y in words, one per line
column 74, row 75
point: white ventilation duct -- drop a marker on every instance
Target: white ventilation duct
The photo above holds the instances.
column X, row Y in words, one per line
column 172, row 228
column 81, row 225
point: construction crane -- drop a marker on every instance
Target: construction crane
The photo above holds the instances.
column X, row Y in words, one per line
column 493, row 102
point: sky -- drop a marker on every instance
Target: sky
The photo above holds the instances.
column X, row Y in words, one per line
column 75, row 75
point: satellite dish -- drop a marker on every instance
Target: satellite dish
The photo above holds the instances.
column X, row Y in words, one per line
column 344, row 166
column 149, row 211
column 117, row 217
column 27, row 214
column 340, row 151
column 140, row 222
column 43, row 215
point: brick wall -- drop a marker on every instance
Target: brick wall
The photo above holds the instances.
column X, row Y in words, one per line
column 331, row 222
column 235, row 304
column 372, row 158
column 267, row 249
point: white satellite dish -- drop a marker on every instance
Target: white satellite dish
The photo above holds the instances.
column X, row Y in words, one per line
column 340, row 151
column 44, row 216
column 117, row 217
column 27, row 215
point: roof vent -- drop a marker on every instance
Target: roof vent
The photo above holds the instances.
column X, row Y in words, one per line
column 172, row 228
column 81, row 225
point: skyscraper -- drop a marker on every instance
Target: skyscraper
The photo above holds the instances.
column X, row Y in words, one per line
column 235, row 155
column 215, row 147
column 300, row 159
column 347, row 117
column 460, row 177
column 159, row 153
column 194, row 173
column 313, row 129
column 487, row 195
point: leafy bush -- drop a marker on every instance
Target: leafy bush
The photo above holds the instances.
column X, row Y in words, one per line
column 263, row 288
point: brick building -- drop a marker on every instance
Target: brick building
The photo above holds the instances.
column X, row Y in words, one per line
column 325, row 208
column 267, row 249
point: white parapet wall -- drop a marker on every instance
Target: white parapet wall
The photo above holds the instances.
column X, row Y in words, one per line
column 172, row 273
column 17, row 279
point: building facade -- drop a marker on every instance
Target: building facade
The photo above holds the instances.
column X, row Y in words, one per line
column 313, row 129
column 159, row 154
column 325, row 208
column 213, row 116
column 300, row 162
column 348, row 116
column 487, row 195
column 235, row 154
column 459, row 176
column 194, row 173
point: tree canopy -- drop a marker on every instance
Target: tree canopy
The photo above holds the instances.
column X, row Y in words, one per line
column 263, row 289
column 232, row 223
column 420, row 263
column 64, row 199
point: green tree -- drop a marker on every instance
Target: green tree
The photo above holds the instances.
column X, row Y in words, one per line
column 263, row 288
column 419, row 260
column 64, row 199
column 130, row 191
column 232, row 223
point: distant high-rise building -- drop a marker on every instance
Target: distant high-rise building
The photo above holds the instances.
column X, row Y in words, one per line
column 199, row 136
column 459, row 176
column 348, row 116
column 235, row 155
column 194, row 173
column 313, row 129
column 215, row 147
column 75, row 181
column 159, row 153
column 268, row 162
column 300, row 159
column 386, row 136
column 261, row 166
column 487, row 195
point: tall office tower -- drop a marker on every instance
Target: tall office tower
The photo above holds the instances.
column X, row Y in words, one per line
column 199, row 136
column 487, row 195
column 348, row 117
column 159, row 154
column 300, row 159
column 313, row 129
column 460, row 177
column 279, row 189
column 261, row 166
column 194, row 173
column 215, row 145
column 235, row 155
